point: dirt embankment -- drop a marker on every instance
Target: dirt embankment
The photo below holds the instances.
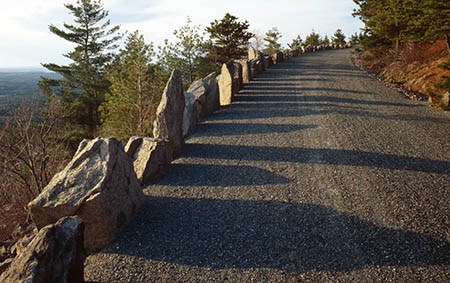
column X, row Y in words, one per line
column 416, row 68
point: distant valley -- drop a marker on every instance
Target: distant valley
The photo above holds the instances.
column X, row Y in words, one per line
column 18, row 85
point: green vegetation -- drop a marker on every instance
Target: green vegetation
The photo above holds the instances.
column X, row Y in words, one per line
column 188, row 54
column 130, row 103
column 393, row 24
column 313, row 39
column 389, row 23
column 338, row 38
column 84, row 85
column 228, row 39
column 272, row 37
column 296, row 43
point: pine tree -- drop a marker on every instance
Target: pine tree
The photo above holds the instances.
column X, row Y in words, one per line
column 338, row 37
column 312, row 39
column 229, row 39
column 186, row 54
column 326, row 41
column 83, row 87
column 135, row 91
column 272, row 37
column 437, row 15
column 296, row 43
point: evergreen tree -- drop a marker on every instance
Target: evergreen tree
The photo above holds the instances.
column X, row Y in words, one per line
column 229, row 39
column 186, row 54
column 437, row 14
column 83, row 87
column 338, row 37
column 296, row 43
column 312, row 39
column 326, row 41
column 272, row 37
column 135, row 91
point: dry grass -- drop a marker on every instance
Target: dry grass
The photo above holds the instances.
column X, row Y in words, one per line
column 417, row 67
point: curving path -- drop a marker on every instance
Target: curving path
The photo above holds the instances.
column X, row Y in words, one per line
column 317, row 172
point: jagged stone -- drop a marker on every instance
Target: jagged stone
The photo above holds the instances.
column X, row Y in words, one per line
column 261, row 62
column 252, row 53
column 55, row 254
column 99, row 185
column 267, row 62
column 237, row 77
column 225, row 80
column 199, row 89
column 169, row 115
column 150, row 157
column 277, row 57
column 212, row 97
column 246, row 76
column 191, row 115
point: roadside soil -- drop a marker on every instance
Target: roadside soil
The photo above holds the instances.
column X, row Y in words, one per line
column 415, row 71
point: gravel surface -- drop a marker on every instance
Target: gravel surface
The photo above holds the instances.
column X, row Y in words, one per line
column 316, row 173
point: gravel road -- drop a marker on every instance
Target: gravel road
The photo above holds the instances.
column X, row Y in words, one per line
column 316, row 173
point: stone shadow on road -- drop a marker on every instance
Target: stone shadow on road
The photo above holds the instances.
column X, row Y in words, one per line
column 317, row 156
column 219, row 176
column 226, row 129
column 269, row 234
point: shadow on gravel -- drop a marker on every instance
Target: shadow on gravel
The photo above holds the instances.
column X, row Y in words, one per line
column 255, row 234
column 226, row 129
column 317, row 156
column 278, row 97
column 219, row 176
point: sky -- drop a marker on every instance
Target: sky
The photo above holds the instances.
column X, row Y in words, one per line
column 26, row 42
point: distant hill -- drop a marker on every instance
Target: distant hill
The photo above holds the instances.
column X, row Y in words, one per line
column 21, row 82
column 19, row 85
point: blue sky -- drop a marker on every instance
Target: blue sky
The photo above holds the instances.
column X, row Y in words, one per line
column 26, row 42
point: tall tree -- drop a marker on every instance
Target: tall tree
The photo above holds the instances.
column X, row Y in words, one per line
column 271, row 39
column 131, row 103
column 326, row 41
column 296, row 43
column 338, row 37
column 229, row 39
column 312, row 39
column 437, row 15
column 84, row 85
column 186, row 54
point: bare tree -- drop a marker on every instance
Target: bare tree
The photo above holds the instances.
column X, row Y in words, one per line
column 257, row 41
column 30, row 152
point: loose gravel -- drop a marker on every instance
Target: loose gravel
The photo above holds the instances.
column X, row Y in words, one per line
column 317, row 173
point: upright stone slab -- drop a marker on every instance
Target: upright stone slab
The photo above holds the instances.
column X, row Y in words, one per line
column 212, row 96
column 246, row 76
column 225, row 80
column 253, row 69
column 169, row 115
column 261, row 64
column 252, row 53
column 268, row 62
column 191, row 115
column 99, row 185
column 237, row 77
column 55, row 254
column 199, row 90
column 277, row 57
column 150, row 157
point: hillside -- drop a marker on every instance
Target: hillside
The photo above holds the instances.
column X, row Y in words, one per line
column 417, row 67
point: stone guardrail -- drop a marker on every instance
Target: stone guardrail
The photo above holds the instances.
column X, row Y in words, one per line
column 99, row 192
